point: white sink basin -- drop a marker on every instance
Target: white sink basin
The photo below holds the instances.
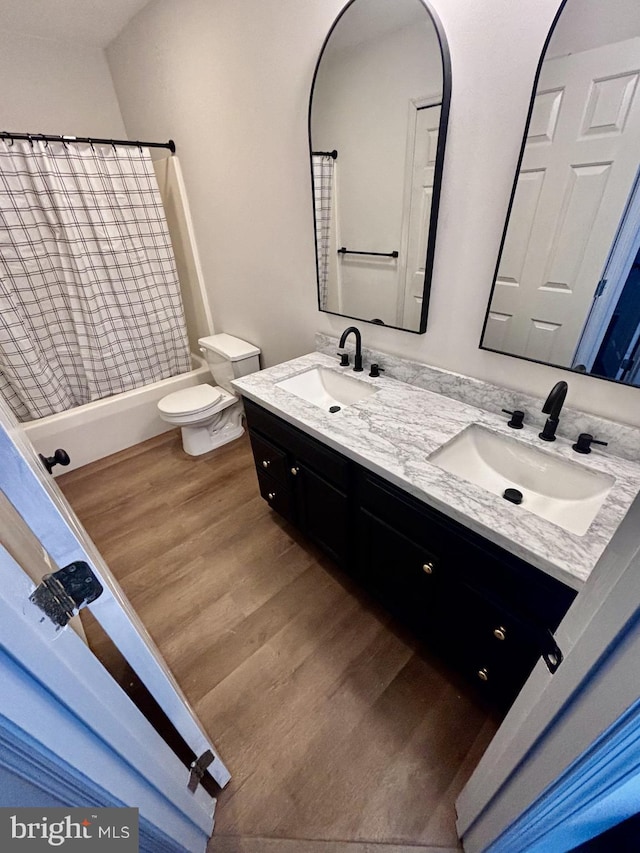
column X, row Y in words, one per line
column 566, row 493
column 326, row 388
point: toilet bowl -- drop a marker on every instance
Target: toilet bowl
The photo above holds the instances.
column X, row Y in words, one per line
column 211, row 415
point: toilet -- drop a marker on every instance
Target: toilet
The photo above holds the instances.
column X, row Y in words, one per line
column 211, row 415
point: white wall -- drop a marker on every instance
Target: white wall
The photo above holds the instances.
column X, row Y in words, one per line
column 55, row 87
column 230, row 81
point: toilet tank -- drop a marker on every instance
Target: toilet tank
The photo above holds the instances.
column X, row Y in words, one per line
column 229, row 358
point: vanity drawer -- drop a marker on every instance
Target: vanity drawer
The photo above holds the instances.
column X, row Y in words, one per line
column 499, row 680
column 269, row 458
column 476, row 620
column 485, row 638
column 277, row 495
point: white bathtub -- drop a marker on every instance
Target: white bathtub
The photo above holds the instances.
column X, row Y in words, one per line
column 98, row 429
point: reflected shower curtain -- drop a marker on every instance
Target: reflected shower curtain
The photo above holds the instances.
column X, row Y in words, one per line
column 322, row 198
column 90, row 301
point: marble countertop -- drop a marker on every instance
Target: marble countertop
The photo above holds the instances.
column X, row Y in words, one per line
column 394, row 431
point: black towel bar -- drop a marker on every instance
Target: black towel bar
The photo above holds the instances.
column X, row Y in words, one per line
column 343, row 251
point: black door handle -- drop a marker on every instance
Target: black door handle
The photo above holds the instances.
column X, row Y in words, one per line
column 60, row 457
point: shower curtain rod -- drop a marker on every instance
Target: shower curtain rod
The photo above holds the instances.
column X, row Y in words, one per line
column 43, row 137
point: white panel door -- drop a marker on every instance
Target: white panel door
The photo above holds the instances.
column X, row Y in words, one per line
column 576, row 175
column 37, row 499
column 418, row 212
column 70, row 732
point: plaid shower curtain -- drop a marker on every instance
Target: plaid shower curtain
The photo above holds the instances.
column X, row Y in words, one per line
column 322, row 199
column 90, row 301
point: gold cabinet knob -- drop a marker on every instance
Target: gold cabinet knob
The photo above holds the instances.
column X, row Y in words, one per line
column 266, row 463
column 483, row 675
column 271, row 495
column 500, row 633
column 295, row 471
column 427, row 568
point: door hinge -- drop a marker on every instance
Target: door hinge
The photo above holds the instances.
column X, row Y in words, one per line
column 198, row 769
column 61, row 594
column 601, row 286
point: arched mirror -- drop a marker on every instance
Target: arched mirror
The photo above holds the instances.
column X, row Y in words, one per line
column 567, row 284
column 377, row 127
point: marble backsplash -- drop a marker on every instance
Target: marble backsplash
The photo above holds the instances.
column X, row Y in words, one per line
column 624, row 440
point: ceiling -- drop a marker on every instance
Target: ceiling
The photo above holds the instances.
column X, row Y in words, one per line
column 586, row 24
column 88, row 22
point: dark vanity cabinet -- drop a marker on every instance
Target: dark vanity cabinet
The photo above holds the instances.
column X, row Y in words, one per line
column 486, row 611
column 303, row 480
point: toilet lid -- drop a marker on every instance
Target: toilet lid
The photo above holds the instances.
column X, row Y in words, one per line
column 190, row 400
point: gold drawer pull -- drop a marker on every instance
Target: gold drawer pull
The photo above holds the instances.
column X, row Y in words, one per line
column 295, row 471
column 271, row 495
column 483, row 675
column 500, row 633
column 266, row 463
column 427, row 568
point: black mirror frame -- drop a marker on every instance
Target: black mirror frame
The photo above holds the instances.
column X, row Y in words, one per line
column 438, row 169
column 508, row 217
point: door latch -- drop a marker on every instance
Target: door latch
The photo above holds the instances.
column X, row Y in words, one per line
column 61, row 594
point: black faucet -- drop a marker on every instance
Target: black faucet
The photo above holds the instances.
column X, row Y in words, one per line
column 358, row 358
column 552, row 407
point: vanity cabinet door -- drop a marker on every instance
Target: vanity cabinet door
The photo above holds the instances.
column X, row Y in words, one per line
column 303, row 480
column 322, row 512
column 403, row 575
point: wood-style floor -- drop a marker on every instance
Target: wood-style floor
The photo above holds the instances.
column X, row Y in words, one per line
column 335, row 724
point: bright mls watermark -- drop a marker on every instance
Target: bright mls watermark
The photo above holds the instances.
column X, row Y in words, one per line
column 86, row 829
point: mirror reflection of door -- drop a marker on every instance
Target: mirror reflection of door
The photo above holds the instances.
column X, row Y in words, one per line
column 609, row 345
column 577, row 176
column 380, row 65
column 422, row 146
